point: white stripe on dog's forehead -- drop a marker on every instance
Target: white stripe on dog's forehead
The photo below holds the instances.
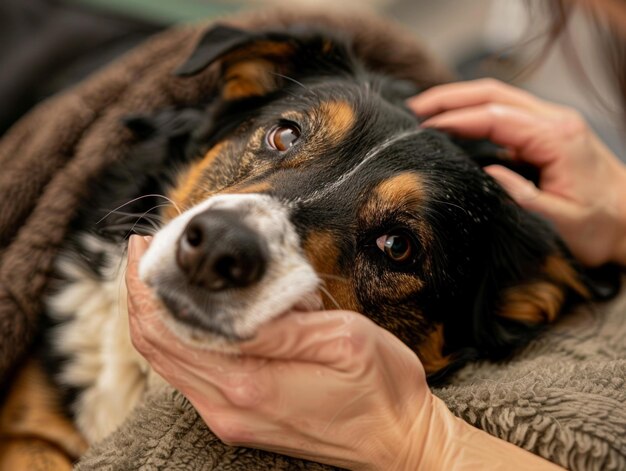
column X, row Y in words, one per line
column 371, row 155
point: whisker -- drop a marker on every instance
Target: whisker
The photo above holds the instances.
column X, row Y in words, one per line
column 450, row 204
column 333, row 277
column 143, row 215
column 134, row 215
column 137, row 199
column 330, row 296
column 290, row 79
column 147, row 230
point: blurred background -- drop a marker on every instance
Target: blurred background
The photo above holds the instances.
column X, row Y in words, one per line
column 47, row 45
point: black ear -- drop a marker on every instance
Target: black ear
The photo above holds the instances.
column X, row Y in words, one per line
column 215, row 43
column 528, row 280
column 256, row 63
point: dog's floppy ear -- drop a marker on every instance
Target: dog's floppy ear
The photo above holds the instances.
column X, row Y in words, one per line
column 215, row 43
column 254, row 63
column 528, row 279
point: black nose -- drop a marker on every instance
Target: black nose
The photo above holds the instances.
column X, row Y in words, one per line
column 217, row 250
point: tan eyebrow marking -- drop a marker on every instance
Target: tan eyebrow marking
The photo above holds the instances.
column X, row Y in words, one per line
column 406, row 189
column 332, row 121
column 339, row 118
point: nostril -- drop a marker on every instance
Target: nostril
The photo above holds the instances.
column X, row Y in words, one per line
column 194, row 236
column 227, row 268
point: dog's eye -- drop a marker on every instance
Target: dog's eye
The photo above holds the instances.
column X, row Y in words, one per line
column 282, row 136
column 398, row 246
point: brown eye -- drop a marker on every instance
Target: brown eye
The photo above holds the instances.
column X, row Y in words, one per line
column 283, row 136
column 398, row 247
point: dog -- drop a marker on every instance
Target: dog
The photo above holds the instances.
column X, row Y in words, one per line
column 307, row 174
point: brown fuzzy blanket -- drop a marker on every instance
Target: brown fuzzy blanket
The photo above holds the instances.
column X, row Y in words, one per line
column 562, row 398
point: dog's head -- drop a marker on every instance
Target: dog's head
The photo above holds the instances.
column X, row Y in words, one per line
column 312, row 176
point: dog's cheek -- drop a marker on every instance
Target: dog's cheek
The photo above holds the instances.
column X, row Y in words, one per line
column 430, row 351
column 321, row 249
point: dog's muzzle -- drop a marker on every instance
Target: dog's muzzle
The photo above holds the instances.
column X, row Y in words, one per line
column 228, row 265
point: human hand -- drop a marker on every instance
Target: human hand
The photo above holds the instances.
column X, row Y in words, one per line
column 582, row 187
column 325, row 386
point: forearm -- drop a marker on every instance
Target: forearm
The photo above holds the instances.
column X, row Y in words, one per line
column 618, row 254
column 452, row 444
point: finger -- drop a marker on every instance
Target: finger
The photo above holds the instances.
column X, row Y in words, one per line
column 326, row 337
column 472, row 93
column 137, row 246
column 527, row 134
column 560, row 211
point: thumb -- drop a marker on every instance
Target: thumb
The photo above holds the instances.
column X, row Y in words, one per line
column 556, row 209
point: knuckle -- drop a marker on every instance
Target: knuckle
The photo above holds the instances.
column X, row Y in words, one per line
column 493, row 109
column 357, row 339
column 245, row 395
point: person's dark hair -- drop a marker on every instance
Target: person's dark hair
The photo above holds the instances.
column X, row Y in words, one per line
column 609, row 18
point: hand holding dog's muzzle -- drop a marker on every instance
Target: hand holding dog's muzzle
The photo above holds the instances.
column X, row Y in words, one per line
column 326, row 386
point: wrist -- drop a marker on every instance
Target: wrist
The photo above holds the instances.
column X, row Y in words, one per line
column 430, row 443
column 446, row 442
column 618, row 252
column 619, row 256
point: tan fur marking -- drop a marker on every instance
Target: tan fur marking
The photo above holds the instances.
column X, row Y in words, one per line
column 561, row 270
column 29, row 453
column 541, row 301
column 249, row 78
column 33, row 429
column 405, row 189
column 338, row 118
column 321, row 251
column 267, row 49
column 533, row 303
column 327, row 47
column 249, row 70
column 430, row 351
column 188, row 182
column 261, row 187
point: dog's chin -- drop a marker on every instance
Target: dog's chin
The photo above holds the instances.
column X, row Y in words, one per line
column 194, row 327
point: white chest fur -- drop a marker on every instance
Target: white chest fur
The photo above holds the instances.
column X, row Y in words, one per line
column 93, row 334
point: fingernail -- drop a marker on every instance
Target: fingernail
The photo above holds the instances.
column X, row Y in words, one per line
column 431, row 123
column 132, row 245
column 148, row 239
column 516, row 186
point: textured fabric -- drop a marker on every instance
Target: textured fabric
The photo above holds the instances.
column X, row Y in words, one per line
column 563, row 397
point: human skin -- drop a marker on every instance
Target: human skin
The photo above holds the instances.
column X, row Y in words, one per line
column 582, row 186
